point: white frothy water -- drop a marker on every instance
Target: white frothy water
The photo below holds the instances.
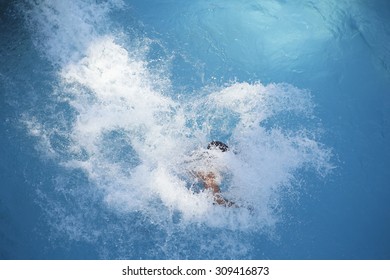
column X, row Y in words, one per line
column 133, row 140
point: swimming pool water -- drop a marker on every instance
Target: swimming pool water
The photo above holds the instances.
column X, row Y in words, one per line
column 102, row 103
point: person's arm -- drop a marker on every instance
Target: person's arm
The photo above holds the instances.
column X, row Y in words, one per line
column 210, row 182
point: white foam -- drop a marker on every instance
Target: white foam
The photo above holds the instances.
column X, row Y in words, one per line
column 132, row 140
column 66, row 28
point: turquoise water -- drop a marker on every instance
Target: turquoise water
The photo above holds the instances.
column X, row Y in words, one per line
column 103, row 103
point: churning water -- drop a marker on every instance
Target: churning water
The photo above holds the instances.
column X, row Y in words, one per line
column 104, row 104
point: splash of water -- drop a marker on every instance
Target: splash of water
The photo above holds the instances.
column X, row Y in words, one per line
column 132, row 139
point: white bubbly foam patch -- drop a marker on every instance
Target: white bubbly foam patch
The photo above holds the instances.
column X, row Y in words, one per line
column 136, row 143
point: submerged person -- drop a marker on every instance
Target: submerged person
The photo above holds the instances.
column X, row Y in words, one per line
column 210, row 175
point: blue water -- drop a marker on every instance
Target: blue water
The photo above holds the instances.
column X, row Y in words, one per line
column 103, row 103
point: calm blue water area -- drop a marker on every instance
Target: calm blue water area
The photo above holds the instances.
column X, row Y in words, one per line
column 100, row 101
